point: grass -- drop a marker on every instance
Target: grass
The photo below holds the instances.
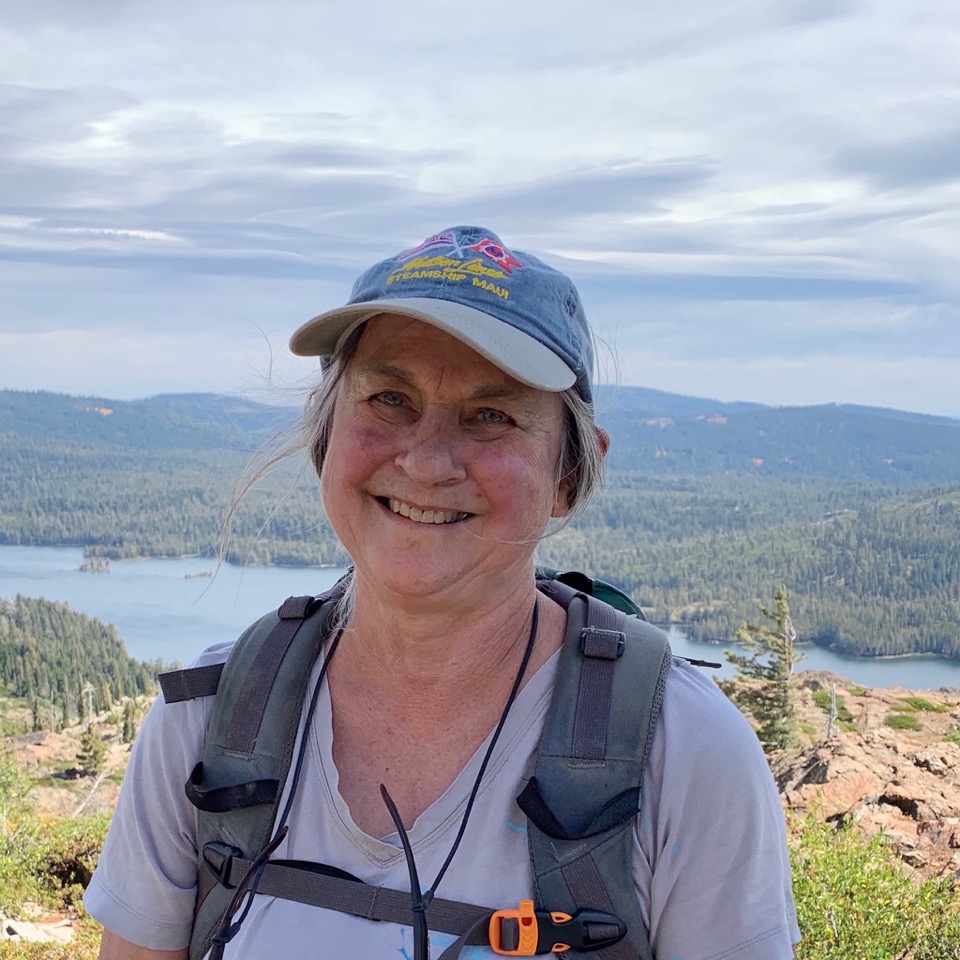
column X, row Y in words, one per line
column 858, row 691
column 919, row 703
column 903, row 721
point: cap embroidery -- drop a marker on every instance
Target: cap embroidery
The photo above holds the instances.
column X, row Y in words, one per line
column 442, row 267
column 499, row 254
column 434, row 241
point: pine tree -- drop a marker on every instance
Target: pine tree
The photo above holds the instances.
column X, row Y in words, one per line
column 763, row 686
column 93, row 751
column 129, row 722
column 37, row 715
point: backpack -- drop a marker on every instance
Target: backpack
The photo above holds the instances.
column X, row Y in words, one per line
column 580, row 803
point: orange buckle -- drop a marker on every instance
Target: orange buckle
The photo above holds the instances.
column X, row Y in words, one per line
column 517, row 933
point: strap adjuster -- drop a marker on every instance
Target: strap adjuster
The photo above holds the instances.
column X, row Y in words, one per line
column 218, row 857
column 526, row 932
column 602, row 644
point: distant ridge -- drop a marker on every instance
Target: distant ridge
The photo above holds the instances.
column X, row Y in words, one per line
column 653, row 431
column 644, row 399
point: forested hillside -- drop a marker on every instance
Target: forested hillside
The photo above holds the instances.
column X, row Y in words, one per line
column 50, row 653
column 709, row 506
column 870, row 571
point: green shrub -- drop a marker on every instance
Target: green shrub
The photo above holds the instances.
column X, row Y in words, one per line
column 822, row 699
column 903, row 721
column 919, row 703
column 51, row 864
column 47, row 863
column 858, row 691
column 855, row 900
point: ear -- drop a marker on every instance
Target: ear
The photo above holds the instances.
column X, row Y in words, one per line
column 603, row 438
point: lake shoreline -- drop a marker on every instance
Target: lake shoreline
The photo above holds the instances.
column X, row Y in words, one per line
column 162, row 612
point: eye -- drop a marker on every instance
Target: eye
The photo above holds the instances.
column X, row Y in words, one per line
column 492, row 418
column 388, row 398
column 392, row 406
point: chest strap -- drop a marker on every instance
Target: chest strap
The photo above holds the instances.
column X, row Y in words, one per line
column 332, row 889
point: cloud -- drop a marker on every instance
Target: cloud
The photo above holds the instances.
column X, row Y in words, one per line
column 727, row 184
column 905, row 163
column 38, row 120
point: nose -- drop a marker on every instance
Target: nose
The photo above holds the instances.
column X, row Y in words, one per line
column 431, row 452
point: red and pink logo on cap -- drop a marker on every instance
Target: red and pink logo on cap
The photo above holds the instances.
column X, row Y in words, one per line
column 498, row 253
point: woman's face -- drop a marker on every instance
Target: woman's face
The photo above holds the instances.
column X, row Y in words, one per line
column 441, row 472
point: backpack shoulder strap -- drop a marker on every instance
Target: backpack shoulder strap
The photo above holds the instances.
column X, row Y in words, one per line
column 249, row 743
column 584, row 798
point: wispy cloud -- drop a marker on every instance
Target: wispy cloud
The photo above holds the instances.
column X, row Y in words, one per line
column 733, row 188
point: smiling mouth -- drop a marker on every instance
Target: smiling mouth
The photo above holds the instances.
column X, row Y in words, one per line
column 423, row 516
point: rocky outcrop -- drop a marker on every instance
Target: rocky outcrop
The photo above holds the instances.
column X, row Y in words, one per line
column 903, row 782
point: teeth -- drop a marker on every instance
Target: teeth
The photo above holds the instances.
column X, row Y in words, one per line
column 425, row 516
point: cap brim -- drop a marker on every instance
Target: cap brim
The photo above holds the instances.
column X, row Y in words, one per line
column 513, row 351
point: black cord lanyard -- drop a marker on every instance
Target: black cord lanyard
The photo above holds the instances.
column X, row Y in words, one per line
column 247, row 888
column 421, row 900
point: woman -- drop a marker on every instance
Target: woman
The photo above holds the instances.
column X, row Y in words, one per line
column 453, row 424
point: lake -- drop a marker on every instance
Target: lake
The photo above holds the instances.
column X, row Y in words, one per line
column 171, row 609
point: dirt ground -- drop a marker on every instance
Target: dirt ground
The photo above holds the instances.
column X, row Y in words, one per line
column 62, row 789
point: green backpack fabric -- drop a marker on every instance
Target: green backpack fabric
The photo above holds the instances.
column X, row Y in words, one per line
column 581, row 803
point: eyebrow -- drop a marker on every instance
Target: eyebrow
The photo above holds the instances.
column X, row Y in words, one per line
column 491, row 391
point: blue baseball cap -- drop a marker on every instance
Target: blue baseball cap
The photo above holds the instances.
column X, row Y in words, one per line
column 509, row 306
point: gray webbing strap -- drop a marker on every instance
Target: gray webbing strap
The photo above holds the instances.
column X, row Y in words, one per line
column 586, row 886
column 601, row 643
column 589, row 768
column 179, row 685
column 249, row 829
column 250, row 705
column 358, row 899
column 480, row 930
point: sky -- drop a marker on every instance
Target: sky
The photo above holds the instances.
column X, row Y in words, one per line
column 758, row 200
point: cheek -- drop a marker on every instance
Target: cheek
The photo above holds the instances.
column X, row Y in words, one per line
column 528, row 480
column 355, row 453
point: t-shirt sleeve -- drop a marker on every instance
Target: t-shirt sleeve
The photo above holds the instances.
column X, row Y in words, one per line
column 144, row 886
column 711, row 860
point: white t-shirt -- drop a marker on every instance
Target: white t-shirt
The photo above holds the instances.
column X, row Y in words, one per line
column 711, row 867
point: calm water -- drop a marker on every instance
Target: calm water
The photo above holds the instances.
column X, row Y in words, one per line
column 160, row 610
